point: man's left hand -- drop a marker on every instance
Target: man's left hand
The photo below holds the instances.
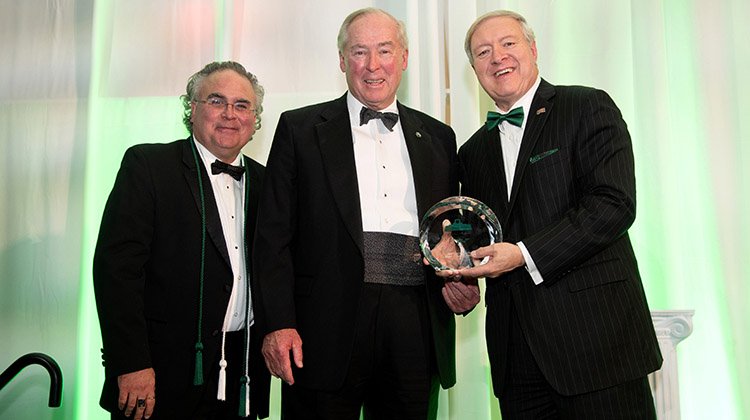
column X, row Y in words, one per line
column 137, row 393
column 461, row 296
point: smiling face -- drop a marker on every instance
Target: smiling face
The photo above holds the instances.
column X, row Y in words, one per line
column 222, row 130
column 373, row 60
column 504, row 60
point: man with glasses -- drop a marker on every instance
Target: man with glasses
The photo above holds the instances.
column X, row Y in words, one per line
column 172, row 264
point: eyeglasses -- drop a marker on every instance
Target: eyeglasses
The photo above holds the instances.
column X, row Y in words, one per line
column 220, row 104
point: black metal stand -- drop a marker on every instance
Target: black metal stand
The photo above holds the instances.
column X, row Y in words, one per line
column 55, row 374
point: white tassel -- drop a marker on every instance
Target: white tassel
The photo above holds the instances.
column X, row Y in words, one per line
column 221, row 394
column 247, row 399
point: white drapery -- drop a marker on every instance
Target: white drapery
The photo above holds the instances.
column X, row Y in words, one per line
column 80, row 81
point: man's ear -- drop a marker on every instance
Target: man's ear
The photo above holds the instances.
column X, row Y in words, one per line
column 342, row 62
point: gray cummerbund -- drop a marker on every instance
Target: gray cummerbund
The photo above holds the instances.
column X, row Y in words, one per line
column 393, row 258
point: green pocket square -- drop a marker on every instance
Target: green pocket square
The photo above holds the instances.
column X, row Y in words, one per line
column 540, row 156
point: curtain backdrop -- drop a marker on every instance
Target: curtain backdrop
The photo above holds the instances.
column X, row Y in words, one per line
column 82, row 80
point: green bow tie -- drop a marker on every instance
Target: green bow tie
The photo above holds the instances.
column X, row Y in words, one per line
column 515, row 117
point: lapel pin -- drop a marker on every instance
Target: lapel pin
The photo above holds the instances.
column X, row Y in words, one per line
column 541, row 111
column 419, row 135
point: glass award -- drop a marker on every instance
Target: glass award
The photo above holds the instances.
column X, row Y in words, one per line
column 453, row 228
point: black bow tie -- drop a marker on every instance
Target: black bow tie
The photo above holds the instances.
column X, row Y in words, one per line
column 389, row 118
column 234, row 171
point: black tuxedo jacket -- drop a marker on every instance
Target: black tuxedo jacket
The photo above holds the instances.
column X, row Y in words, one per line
column 309, row 242
column 572, row 201
column 146, row 276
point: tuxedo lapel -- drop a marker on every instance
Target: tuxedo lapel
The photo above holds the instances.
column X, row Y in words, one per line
column 490, row 151
column 252, row 196
column 337, row 152
column 213, row 222
column 541, row 106
column 419, row 145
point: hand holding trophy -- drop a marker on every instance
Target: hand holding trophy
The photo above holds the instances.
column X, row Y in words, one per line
column 453, row 228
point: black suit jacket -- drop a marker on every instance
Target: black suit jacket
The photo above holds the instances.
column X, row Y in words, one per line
column 309, row 242
column 572, row 201
column 146, row 276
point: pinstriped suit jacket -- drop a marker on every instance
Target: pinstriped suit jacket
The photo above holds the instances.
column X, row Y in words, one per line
column 572, row 201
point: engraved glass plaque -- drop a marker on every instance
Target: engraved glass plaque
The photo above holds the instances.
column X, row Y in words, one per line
column 453, row 228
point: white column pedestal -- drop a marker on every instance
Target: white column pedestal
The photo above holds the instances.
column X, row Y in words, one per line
column 671, row 328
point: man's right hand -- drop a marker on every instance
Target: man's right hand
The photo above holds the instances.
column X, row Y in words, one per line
column 134, row 387
column 276, row 348
column 503, row 257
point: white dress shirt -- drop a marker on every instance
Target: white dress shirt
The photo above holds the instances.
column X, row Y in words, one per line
column 386, row 184
column 230, row 201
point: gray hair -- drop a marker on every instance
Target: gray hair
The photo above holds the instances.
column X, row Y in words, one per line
column 195, row 81
column 343, row 36
column 528, row 33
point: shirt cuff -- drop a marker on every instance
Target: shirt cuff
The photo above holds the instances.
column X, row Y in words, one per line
column 536, row 276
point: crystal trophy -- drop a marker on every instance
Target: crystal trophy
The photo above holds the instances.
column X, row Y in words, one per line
column 453, row 228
